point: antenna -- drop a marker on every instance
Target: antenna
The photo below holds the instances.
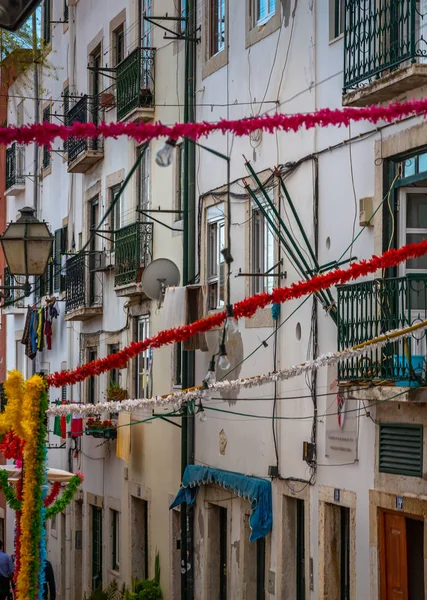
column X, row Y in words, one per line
column 159, row 275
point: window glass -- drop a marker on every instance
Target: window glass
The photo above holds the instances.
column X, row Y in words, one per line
column 421, row 262
column 416, row 211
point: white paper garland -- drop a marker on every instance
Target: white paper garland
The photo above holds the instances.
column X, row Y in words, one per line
column 177, row 399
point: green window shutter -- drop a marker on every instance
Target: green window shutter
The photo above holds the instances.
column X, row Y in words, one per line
column 47, row 18
column 401, row 449
column 57, row 252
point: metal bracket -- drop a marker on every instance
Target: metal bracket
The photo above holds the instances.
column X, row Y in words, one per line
column 267, row 273
column 174, row 34
column 142, row 212
column 104, row 70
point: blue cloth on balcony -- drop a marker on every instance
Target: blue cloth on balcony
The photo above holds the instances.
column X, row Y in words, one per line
column 257, row 491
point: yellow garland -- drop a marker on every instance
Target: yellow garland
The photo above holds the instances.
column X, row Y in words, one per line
column 30, row 422
column 12, row 416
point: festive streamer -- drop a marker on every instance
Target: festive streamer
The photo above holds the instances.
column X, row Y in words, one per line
column 244, row 308
column 43, row 542
column 177, row 399
column 67, row 496
column 18, row 534
column 11, row 446
column 9, row 491
column 45, row 133
column 53, row 494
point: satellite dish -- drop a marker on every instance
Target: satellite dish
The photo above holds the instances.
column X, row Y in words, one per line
column 159, row 275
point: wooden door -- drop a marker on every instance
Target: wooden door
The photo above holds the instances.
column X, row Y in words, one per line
column 394, row 562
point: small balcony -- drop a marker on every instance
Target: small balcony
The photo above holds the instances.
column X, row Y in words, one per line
column 135, row 86
column 133, row 252
column 83, row 287
column 83, row 154
column 369, row 309
column 15, row 167
column 14, row 299
column 385, row 50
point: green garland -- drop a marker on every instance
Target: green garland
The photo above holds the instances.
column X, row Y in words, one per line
column 9, row 491
column 68, row 494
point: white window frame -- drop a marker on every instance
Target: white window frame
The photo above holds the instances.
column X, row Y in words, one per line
column 217, row 27
column 332, row 20
column 215, row 242
column 262, row 250
column 144, row 372
column 404, row 230
column 257, row 8
column 117, row 220
column 144, row 180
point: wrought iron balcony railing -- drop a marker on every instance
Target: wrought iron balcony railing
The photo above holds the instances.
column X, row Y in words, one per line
column 81, row 283
column 135, row 81
column 369, row 309
column 380, row 35
column 15, row 165
column 134, row 251
column 86, row 110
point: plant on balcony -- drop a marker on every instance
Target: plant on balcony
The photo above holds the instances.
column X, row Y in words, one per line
column 115, row 393
column 101, row 429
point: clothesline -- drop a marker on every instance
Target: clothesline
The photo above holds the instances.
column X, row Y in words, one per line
column 38, row 328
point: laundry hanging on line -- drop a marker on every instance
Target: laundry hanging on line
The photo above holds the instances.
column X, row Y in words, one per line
column 38, row 329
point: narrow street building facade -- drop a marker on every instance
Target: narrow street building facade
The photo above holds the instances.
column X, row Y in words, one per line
column 340, row 450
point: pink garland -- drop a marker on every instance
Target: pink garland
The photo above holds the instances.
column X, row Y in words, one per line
column 244, row 308
column 44, row 134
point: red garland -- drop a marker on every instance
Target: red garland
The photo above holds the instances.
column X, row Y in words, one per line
column 244, row 308
column 53, row 494
column 11, row 446
column 45, row 133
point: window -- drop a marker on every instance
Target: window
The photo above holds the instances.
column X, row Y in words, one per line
column 59, row 256
column 144, row 26
column 401, row 449
column 260, row 569
column 143, row 361
column 262, row 10
column 65, row 11
column 46, row 151
column 217, row 540
column 144, row 179
column 215, row 264
column 179, row 180
column 217, row 26
column 115, row 535
column 96, row 547
column 116, row 215
column 262, row 256
column 114, row 373
column 92, row 354
column 336, row 18
column 118, row 45
column 47, row 22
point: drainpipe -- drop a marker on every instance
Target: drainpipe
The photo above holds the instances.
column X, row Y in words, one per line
column 36, row 112
column 188, row 274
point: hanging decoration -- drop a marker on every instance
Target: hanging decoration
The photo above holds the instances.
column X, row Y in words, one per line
column 24, row 429
column 45, row 133
column 245, row 308
column 177, row 399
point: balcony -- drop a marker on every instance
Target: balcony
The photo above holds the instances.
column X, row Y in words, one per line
column 367, row 310
column 135, row 86
column 83, row 288
column 385, row 50
column 133, row 252
column 14, row 299
column 84, row 154
column 15, row 167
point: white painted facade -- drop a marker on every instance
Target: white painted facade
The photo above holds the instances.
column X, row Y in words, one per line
column 290, row 63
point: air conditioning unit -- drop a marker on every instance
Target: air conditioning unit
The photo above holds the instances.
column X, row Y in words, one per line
column 101, row 261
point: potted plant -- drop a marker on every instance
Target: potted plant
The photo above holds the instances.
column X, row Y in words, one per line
column 115, row 393
column 101, row 429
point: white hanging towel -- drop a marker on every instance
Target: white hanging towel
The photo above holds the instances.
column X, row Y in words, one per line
column 173, row 310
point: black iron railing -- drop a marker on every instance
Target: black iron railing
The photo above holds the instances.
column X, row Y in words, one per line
column 15, row 161
column 86, row 110
column 380, row 35
column 371, row 308
column 135, row 81
column 134, row 251
column 80, row 286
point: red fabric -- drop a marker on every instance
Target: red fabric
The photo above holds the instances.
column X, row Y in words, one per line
column 77, row 427
column 63, row 424
column 244, row 308
column 45, row 133
column 48, row 333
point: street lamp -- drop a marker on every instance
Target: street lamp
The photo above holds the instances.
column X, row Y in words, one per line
column 27, row 246
column 13, row 13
